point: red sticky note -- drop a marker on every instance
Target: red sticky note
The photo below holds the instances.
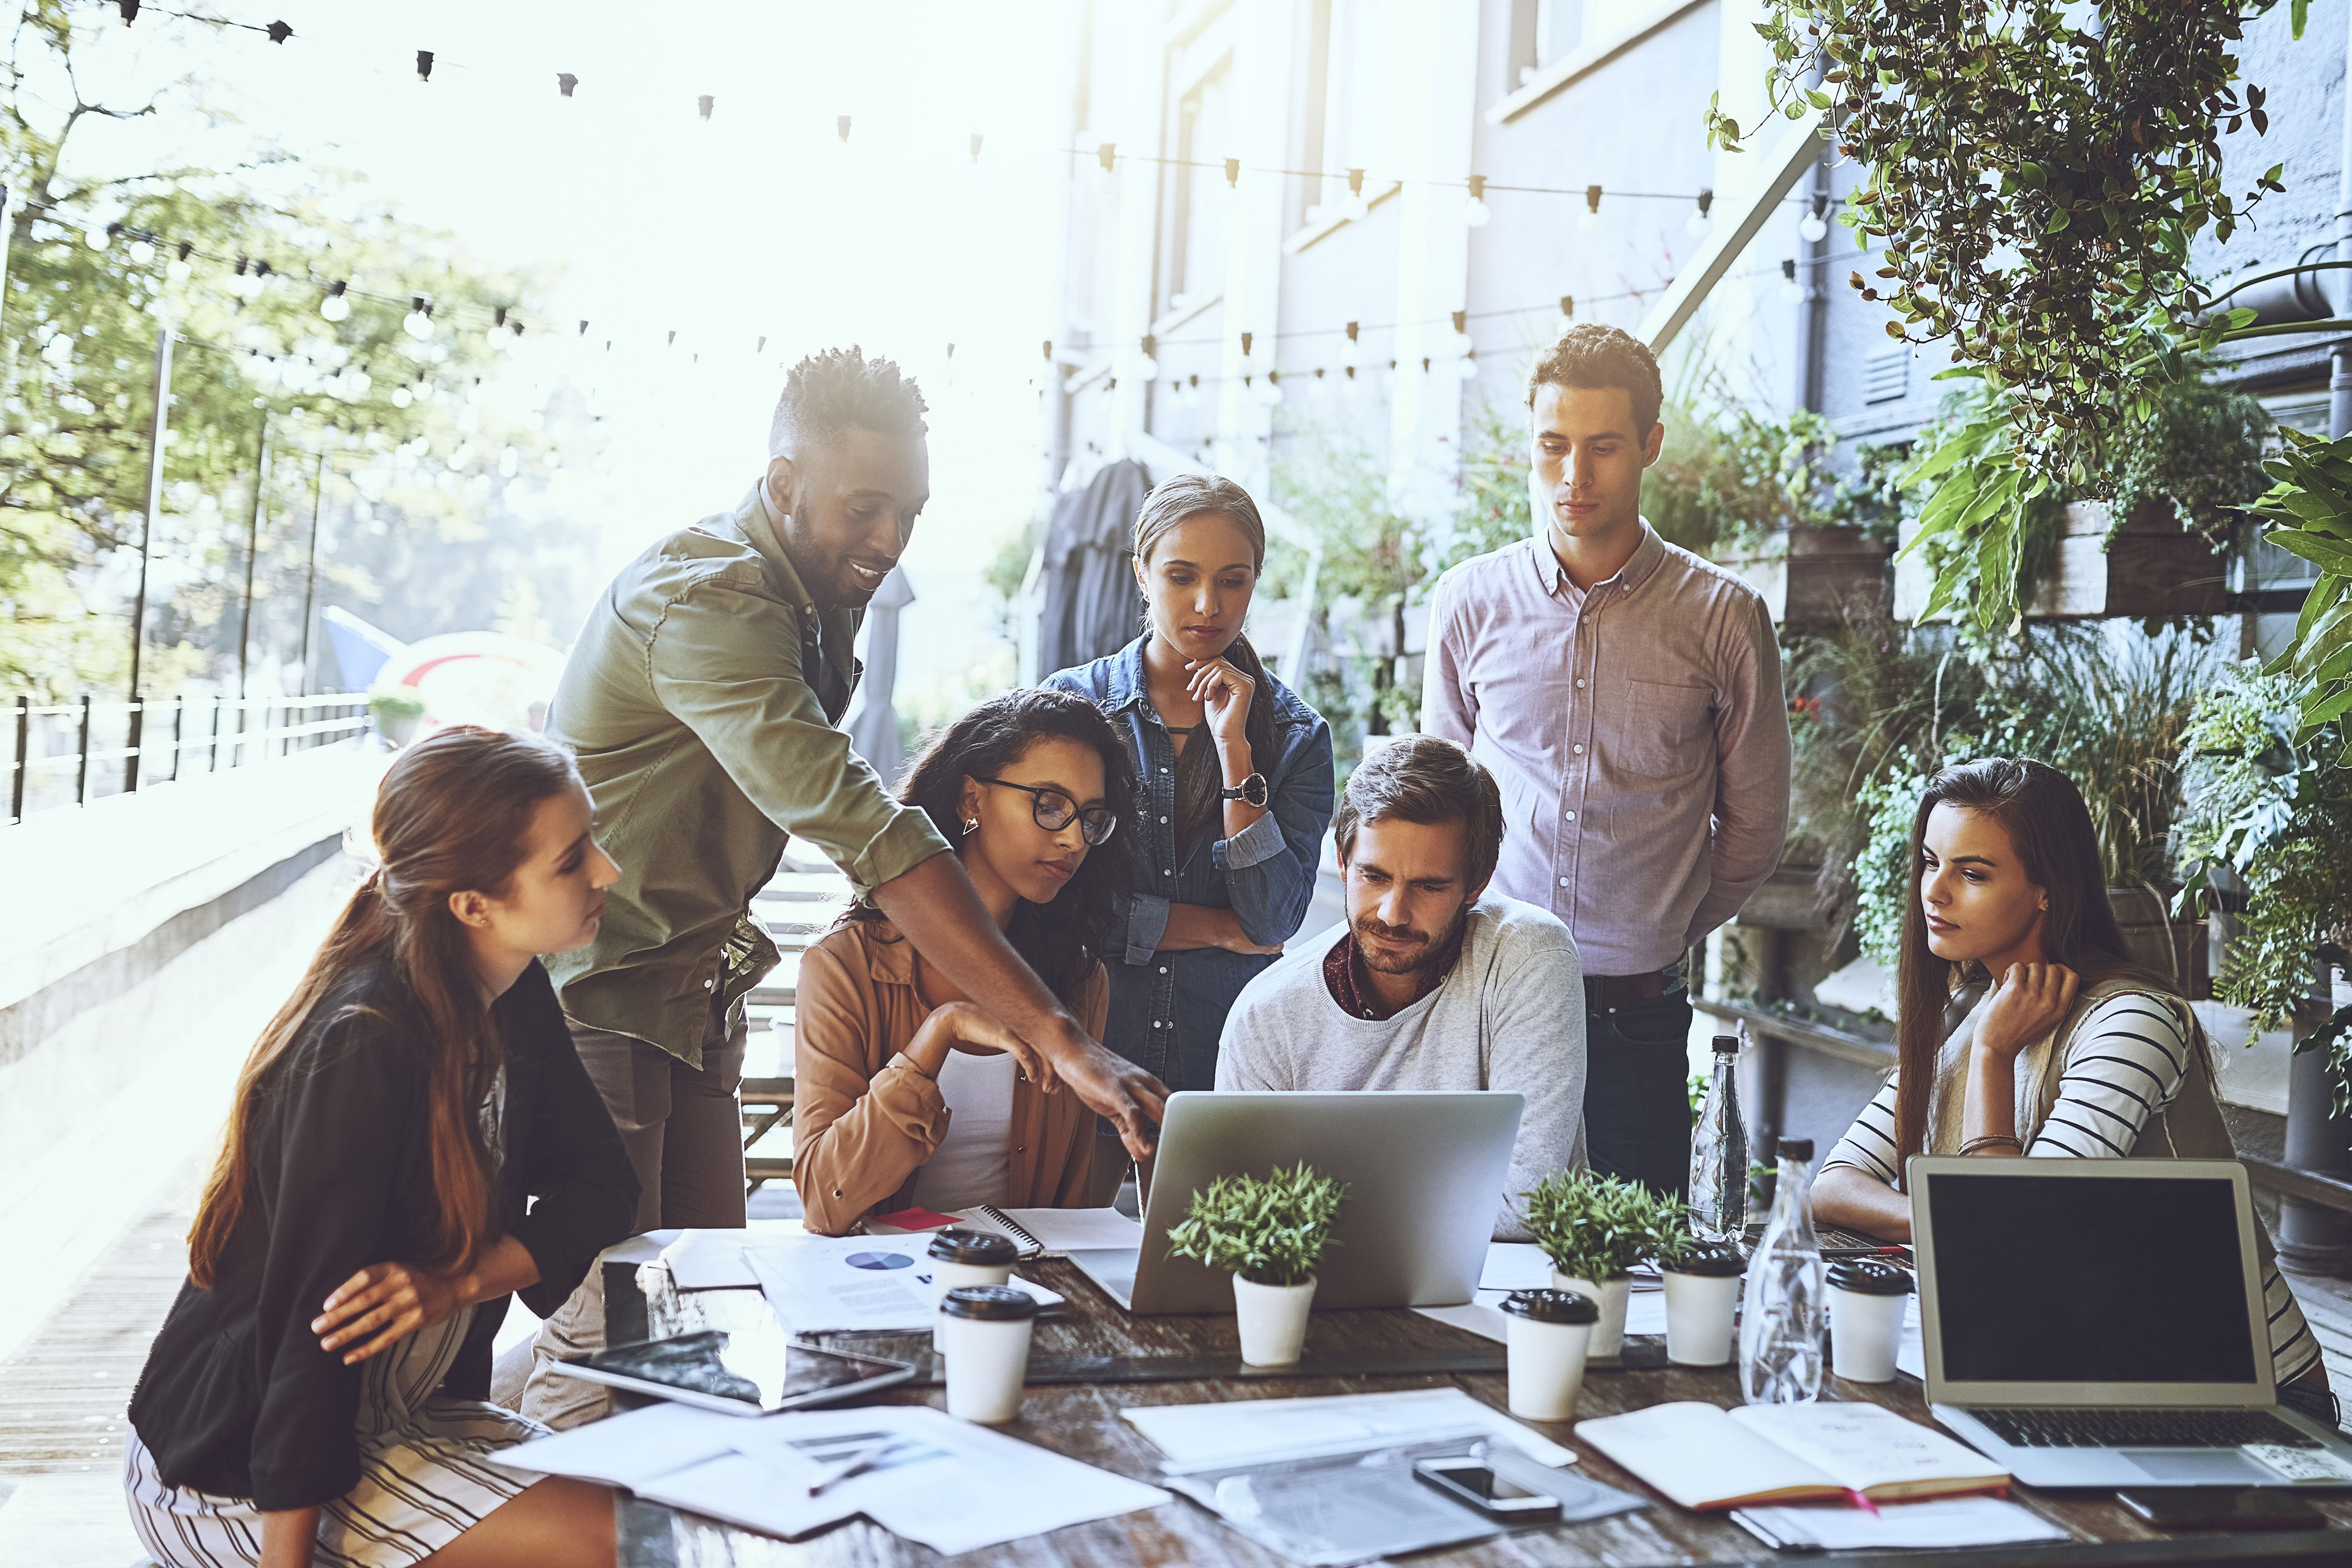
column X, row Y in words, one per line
column 916, row 1219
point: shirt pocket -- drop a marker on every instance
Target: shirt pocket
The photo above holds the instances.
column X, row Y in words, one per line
column 1659, row 731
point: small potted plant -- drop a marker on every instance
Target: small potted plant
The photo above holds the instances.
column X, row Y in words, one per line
column 1270, row 1233
column 1595, row 1229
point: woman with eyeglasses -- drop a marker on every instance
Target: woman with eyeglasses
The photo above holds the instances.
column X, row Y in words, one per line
column 1236, row 784
column 906, row 1094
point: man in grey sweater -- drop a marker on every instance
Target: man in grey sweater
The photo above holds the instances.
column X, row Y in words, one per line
column 1434, row 984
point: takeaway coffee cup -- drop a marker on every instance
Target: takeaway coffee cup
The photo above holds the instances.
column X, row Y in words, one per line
column 967, row 1257
column 1548, row 1332
column 1701, row 1294
column 984, row 1330
column 1866, row 1300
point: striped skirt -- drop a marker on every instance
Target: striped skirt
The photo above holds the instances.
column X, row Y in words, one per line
column 426, row 1474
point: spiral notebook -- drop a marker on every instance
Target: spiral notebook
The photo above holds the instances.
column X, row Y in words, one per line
column 1034, row 1230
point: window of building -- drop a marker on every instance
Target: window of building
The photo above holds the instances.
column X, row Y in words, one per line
column 1204, row 139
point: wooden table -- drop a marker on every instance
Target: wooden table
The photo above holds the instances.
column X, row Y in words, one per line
column 1082, row 1420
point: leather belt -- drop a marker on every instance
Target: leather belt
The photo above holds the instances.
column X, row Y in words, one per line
column 1624, row 990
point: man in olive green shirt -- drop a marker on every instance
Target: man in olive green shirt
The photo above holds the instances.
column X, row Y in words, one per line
column 701, row 700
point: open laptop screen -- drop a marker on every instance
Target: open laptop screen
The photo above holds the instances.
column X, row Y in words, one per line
column 2068, row 1279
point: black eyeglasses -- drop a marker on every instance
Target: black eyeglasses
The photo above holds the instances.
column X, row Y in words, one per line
column 1053, row 810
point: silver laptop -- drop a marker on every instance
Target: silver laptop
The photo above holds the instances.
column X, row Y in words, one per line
column 2100, row 1323
column 1425, row 1174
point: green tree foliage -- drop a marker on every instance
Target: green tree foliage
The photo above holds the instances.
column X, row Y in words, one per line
column 97, row 263
column 2309, row 509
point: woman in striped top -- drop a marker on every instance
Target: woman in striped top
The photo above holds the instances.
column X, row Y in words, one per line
column 2074, row 1053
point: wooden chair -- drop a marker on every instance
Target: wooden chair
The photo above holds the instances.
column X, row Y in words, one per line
column 767, row 1101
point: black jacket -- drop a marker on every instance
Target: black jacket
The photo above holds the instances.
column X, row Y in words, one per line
column 236, row 1397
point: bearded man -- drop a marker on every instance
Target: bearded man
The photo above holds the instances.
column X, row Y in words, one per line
column 1436, row 985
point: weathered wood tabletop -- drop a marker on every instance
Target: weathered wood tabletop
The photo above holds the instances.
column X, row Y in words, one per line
column 1082, row 1420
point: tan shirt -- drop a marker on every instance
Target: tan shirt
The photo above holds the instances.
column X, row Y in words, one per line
column 701, row 700
column 865, row 1119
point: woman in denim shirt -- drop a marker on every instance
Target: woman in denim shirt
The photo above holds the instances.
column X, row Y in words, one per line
column 1236, row 776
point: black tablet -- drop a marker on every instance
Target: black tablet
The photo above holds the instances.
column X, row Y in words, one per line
column 742, row 1373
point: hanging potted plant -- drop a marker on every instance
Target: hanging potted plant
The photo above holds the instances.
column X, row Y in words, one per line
column 1269, row 1232
column 1594, row 1229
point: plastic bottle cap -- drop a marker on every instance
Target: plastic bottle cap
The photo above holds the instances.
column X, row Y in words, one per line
column 1552, row 1306
column 1710, row 1260
column 1726, row 1045
column 1870, row 1276
column 1796, row 1149
column 983, row 1247
column 991, row 1303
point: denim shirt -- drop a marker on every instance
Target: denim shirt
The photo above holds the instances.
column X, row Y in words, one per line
column 1167, row 1009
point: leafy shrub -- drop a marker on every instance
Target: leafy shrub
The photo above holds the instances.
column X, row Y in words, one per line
column 1596, row 1228
column 1270, row 1230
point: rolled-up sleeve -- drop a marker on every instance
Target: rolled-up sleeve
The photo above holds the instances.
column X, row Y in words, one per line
column 725, row 659
column 1270, row 865
column 1751, row 791
column 1145, row 922
column 1447, row 710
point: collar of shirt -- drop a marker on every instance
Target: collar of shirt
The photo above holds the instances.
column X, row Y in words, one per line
column 1127, row 688
column 1645, row 559
column 759, row 524
column 1350, row 984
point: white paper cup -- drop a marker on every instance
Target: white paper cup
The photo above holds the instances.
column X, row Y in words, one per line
column 1867, row 1297
column 984, row 1330
column 1547, row 1333
column 1699, row 1309
column 959, row 1258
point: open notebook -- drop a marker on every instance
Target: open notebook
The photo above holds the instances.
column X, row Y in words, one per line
column 1706, row 1457
column 1036, row 1230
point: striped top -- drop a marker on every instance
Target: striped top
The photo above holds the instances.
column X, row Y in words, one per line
column 2129, row 1059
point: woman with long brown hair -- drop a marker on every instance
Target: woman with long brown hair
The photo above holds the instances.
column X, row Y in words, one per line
column 317, row 1393
column 908, row 1094
column 1236, row 777
column 2025, row 1028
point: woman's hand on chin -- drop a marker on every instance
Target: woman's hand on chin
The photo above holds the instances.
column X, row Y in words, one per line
column 2033, row 1000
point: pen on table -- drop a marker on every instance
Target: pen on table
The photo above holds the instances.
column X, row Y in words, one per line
column 1865, row 1252
column 856, row 1464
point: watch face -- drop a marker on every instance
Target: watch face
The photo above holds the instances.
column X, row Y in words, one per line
column 1252, row 791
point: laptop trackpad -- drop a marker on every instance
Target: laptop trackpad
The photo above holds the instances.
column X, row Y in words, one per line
column 2213, row 1467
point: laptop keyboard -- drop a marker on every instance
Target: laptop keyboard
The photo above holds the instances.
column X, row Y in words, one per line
column 2141, row 1428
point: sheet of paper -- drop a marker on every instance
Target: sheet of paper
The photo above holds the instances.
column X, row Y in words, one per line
column 819, row 1284
column 1247, row 1431
column 955, row 1487
column 645, row 1248
column 2316, row 1465
column 1645, row 1311
column 1515, row 1266
column 630, row 1450
column 1947, row 1521
column 1700, row 1458
column 713, row 1259
column 1068, row 1230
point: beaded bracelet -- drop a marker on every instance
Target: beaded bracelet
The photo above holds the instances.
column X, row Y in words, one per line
column 1973, row 1144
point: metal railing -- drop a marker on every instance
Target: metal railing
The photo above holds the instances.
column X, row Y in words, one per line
column 70, row 753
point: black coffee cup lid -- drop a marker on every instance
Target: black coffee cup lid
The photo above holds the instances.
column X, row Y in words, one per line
column 984, row 1248
column 1710, row 1260
column 990, row 1303
column 1870, row 1276
column 1552, row 1306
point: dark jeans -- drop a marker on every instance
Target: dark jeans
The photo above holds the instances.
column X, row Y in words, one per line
column 1637, row 1120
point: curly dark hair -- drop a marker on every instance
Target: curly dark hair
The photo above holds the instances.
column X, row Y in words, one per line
column 841, row 389
column 1591, row 355
column 1062, row 941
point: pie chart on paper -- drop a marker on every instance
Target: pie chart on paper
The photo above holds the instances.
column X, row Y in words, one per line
column 879, row 1260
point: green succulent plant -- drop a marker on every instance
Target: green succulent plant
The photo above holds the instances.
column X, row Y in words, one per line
column 1596, row 1228
column 1270, row 1229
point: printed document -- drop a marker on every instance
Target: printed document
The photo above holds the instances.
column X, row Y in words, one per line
column 820, row 1284
column 1249, row 1431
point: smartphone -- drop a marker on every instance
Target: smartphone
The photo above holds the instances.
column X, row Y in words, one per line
column 2221, row 1507
column 1468, row 1480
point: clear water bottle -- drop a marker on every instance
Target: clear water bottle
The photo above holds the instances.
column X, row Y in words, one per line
column 1718, row 1167
column 1785, row 1307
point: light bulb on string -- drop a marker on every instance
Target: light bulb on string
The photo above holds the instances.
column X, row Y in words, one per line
column 140, row 253
column 1460, row 345
column 1788, row 286
column 99, row 235
column 1467, row 367
column 1358, row 206
column 1474, row 212
column 1591, row 215
column 335, row 306
column 1697, row 221
column 418, row 322
column 1814, row 226
column 1351, row 351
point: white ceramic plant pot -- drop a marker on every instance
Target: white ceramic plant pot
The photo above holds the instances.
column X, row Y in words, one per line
column 1609, row 1334
column 1274, row 1319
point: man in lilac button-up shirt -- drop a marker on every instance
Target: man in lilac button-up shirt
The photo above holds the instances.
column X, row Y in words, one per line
column 1626, row 694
